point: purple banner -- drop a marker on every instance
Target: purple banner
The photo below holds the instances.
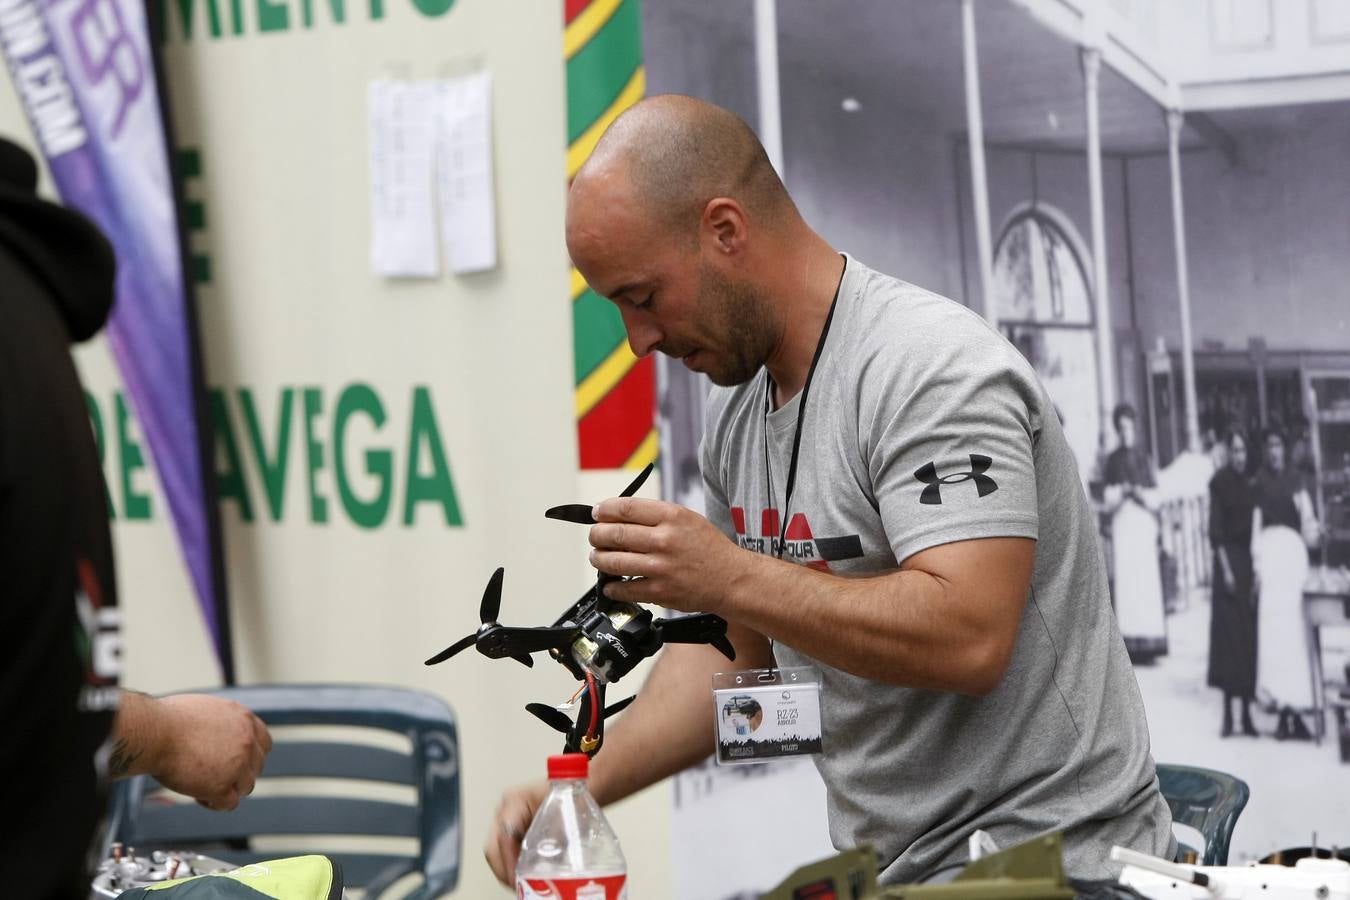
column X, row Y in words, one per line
column 85, row 73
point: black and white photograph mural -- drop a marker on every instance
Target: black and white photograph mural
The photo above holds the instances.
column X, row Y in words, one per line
column 1151, row 200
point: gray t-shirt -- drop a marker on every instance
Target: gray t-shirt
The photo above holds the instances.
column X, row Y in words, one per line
column 924, row 426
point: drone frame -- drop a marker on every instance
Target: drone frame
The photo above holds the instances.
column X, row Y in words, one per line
column 615, row 635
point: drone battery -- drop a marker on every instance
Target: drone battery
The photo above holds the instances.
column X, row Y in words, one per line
column 612, row 640
column 766, row 714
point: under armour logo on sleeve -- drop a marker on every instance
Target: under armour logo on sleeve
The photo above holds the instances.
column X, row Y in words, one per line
column 979, row 464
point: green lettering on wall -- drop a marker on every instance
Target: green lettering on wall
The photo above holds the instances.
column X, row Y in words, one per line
column 318, row 505
column 376, row 9
column 229, row 478
column 337, row 7
column 185, row 17
column 433, row 8
column 96, row 422
column 379, row 463
column 136, row 506
column 237, row 16
column 273, row 467
column 271, row 16
column 436, row 487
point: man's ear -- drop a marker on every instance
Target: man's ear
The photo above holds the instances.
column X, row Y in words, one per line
column 725, row 224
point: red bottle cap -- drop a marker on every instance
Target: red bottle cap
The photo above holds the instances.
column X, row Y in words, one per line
column 568, row 766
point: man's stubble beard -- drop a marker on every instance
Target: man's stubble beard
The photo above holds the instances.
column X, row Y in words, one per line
column 743, row 321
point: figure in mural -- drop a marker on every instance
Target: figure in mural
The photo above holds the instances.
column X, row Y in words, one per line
column 891, row 500
column 1132, row 504
column 1232, row 623
column 1282, row 522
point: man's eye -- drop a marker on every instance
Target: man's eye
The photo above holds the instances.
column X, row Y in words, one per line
column 647, row 303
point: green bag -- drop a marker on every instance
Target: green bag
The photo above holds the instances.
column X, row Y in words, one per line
column 294, row 878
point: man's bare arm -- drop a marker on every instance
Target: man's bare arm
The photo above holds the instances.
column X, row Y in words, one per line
column 946, row 620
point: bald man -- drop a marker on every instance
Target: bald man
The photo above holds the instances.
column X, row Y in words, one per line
column 955, row 603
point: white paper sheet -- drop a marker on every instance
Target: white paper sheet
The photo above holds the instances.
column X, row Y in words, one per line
column 404, row 123
column 464, row 173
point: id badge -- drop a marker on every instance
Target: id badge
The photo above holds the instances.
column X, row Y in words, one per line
column 765, row 714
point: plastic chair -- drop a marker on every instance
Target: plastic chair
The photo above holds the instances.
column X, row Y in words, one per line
column 392, row 780
column 1208, row 801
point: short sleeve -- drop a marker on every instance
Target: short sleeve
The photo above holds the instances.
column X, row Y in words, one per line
column 950, row 447
column 716, row 507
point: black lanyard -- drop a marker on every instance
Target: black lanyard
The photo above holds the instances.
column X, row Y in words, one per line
column 801, row 417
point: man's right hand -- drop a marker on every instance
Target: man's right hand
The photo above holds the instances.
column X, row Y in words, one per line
column 514, row 814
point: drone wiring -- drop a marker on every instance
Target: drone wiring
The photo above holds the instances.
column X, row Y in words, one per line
column 597, row 640
column 595, row 706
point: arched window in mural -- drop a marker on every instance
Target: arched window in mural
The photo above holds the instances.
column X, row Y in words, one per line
column 1044, row 303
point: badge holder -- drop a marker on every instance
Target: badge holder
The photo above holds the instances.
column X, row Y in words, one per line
column 766, row 714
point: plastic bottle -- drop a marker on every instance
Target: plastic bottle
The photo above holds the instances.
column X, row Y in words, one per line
column 569, row 851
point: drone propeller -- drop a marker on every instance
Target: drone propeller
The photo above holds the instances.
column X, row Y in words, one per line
column 551, row 716
column 619, row 707
column 580, row 513
column 561, row 722
column 462, row 643
column 487, row 614
column 700, row 628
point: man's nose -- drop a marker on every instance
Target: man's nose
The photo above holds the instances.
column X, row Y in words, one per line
column 643, row 334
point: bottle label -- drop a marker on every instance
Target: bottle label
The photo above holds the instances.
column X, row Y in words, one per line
column 598, row 887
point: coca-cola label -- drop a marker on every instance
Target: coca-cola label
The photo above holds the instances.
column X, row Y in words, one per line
column 599, row 887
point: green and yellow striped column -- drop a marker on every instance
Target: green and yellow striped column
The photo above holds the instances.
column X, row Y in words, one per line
column 615, row 391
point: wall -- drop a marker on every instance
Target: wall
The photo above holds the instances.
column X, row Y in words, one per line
column 1265, row 235
column 279, row 121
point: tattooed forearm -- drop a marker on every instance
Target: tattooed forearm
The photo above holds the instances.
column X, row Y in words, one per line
column 122, row 759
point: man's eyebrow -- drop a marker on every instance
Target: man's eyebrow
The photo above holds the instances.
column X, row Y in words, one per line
column 626, row 288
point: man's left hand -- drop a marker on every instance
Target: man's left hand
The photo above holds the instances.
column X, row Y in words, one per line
column 673, row 556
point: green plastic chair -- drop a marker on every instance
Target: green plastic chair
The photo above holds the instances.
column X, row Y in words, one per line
column 1206, row 800
column 401, row 741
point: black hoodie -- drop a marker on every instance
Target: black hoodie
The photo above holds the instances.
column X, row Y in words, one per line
column 58, row 606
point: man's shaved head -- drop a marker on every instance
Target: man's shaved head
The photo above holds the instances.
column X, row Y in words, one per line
column 680, row 220
column 676, row 153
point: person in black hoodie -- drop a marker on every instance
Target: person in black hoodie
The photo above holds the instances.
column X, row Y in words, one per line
column 67, row 725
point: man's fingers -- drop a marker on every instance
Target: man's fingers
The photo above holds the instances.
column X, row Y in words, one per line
column 492, row 852
column 624, row 536
column 510, row 856
column 502, row 849
column 638, row 510
column 637, row 590
column 222, row 803
column 263, row 736
column 618, row 562
column 256, row 760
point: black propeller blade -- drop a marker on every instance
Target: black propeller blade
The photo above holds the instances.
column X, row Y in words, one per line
column 551, row 716
column 492, row 598
column 580, row 513
column 487, row 614
column 619, row 707
column 724, row 645
column 560, row 721
column 462, row 643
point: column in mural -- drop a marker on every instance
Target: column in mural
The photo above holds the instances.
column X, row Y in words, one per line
column 615, row 391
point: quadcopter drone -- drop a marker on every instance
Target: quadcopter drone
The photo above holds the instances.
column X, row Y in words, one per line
column 597, row 639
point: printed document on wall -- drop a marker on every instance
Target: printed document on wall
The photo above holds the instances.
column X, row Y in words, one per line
column 468, row 220
column 404, row 122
